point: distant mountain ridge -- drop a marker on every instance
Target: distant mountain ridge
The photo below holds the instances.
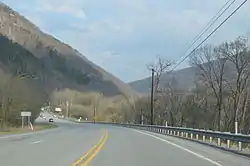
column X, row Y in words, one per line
column 64, row 66
column 184, row 79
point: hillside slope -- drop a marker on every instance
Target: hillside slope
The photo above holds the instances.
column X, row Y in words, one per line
column 68, row 68
column 184, row 79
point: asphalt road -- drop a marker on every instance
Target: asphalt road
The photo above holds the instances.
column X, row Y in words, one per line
column 70, row 142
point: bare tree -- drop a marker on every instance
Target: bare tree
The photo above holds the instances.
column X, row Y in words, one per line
column 211, row 65
column 238, row 54
column 131, row 101
column 160, row 67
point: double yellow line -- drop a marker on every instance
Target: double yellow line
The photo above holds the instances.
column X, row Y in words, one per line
column 90, row 155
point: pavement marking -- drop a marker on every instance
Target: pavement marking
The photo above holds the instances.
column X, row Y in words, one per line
column 96, row 151
column 178, row 146
column 91, row 150
column 36, row 142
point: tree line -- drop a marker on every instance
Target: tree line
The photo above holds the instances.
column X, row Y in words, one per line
column 219, row 98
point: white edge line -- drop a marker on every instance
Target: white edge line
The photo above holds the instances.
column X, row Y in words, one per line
column 26, row 134
column 36, row 142
column 16, row 135
column 180, row 147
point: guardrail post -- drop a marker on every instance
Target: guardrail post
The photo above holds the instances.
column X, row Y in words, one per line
column 228, row 144
column 210, row 140
column 218, row 141
column 240, row 146
column 184, row 132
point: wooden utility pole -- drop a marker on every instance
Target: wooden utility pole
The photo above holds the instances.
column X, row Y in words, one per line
column 152, row 97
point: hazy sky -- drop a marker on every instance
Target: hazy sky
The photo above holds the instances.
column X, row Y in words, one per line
column 122, row 36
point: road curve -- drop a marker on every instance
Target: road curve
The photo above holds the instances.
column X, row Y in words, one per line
column 72, row 144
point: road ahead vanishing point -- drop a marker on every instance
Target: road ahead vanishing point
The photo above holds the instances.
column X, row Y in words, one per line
column 103, row 145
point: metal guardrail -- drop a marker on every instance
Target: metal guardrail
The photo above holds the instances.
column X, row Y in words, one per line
column 207, row 136
column 237, row 141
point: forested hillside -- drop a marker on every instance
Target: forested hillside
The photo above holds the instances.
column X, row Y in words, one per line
column 35, row 66
column 219, row 98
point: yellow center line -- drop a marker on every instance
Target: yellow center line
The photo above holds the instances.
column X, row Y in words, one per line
column 90, row 151
column 96, row 151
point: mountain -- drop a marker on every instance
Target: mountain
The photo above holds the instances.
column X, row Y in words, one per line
column 183, row 79
column 29, row 51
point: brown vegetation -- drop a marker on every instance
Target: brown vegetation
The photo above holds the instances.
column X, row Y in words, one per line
column 219, row 98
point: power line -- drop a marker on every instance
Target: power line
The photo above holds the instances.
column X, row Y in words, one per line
column 211, row 22
column 223, row 22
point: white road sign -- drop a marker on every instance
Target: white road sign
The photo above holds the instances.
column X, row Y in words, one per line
column 25, row 113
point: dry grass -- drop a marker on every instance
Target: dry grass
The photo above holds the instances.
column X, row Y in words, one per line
column 19, row 130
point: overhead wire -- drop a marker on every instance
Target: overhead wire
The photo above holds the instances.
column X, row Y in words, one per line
column 206, row 38
column 212, row 21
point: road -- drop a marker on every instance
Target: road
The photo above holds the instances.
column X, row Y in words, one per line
column 68, row 144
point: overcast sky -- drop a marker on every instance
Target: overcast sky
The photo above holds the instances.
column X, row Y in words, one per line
column 122, row 36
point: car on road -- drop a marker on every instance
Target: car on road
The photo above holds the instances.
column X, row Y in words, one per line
column 51, row 120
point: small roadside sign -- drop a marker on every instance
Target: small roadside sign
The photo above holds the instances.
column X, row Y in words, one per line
column 25, row 113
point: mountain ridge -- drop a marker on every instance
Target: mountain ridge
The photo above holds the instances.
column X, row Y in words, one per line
column 64, row 61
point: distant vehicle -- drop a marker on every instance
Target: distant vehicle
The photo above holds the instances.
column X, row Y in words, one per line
column 51, row 120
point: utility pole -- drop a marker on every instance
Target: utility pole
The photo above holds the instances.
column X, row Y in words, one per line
column 152, row 97
column 142, row 117
column 49, row 107
column 96, row 106
column 94, row 114
column 67, row 109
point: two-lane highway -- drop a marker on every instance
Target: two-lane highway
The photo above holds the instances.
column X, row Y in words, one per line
column 103, row 145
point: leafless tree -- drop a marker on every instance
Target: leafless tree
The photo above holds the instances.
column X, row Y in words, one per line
column 238, row 54
column 161, row 66
column 211, row 65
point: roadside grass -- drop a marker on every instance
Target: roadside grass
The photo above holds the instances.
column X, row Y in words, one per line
column 19, row 130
